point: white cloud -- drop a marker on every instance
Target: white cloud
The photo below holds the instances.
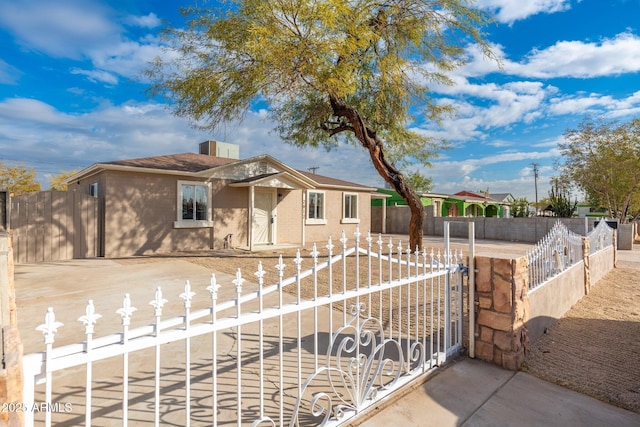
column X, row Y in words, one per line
column 9, row 75
column 36, row 132
column 578, row 59
column 82, row 30
column 499, row 106
column 126, row 58
column 148, row 21
column 61, row 28
column 509, row 11
column 596, row 104
column 97, row 76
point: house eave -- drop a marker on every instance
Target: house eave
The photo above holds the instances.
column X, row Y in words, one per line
column 100, row 167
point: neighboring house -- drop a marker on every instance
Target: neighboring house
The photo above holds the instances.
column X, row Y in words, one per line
column 463, row 203
column 194, row 201
column 470, row 204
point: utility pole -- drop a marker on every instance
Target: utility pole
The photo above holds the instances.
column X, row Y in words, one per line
column 313, row 169
column 535, row 180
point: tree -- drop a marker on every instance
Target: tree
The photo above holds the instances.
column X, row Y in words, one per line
column 519, row 207
column 57, row 181
column 560, row 200
column 331, row 72
column 602, row 158
column 419, row 182
column 18, row 179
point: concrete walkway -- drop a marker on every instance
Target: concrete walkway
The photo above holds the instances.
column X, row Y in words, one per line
column 474, row 393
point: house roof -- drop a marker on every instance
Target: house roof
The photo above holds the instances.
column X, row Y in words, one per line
column 200, row 164
column 502, row 197
column 183, row 162
column 325, row 181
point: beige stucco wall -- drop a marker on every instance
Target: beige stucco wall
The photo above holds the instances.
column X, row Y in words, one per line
column 139, row 211
column 600, row 264
column 230, row 213
column 549, row 302
column 289, row 216
column 319, row 233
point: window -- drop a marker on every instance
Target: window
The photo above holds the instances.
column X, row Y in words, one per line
column 93, row 189
column 316, row 207
column 349, row 208
column 194, row 209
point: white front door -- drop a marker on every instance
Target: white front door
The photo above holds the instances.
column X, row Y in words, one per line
column 263, row 217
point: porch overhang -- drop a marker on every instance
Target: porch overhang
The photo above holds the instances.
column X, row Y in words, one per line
column 282, row 180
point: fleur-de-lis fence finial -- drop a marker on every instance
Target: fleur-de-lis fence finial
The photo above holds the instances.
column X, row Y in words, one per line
column 187, row 295
column 260, row 274
column 238, row 281
column 126, row 311
column 49, row 327
column 90, row 318
column 158, row 302
column 213, row 287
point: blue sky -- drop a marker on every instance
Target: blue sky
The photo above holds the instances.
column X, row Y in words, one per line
column 71, row 91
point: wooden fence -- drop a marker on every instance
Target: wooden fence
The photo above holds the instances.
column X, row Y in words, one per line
column 54, row 225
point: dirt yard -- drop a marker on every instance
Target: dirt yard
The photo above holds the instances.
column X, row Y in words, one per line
column 595, row 348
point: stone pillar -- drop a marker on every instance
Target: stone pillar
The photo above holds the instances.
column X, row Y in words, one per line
column 11, row 374
column 503, row 310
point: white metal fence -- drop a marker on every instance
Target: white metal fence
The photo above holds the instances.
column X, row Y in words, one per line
column 560, row 249
column 557, row 251
column 600, row 237
column 315, row 348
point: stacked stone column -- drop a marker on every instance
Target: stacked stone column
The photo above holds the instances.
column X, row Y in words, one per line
column 11, row 372
column 502, row 310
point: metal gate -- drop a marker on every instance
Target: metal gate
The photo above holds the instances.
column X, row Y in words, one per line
column 346, row 328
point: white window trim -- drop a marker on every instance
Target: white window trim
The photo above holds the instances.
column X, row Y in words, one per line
column 316, row 221
column 93, row 189
column 185, row 223
column 344, row 219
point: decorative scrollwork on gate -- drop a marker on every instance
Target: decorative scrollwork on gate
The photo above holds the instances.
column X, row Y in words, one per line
column 360, row 362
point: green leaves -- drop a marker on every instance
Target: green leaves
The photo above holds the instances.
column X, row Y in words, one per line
column 18, row 179
column 294, row 54
column 603, row 159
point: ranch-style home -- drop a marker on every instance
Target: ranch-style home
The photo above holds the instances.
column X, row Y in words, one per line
column 214, row 200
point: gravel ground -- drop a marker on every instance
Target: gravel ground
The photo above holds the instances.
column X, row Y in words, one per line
column 595, row 348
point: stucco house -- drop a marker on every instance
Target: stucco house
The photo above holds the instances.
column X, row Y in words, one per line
column 462, row 203
column 214, row 200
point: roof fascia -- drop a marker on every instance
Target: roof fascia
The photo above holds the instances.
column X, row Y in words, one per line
column 99, row 167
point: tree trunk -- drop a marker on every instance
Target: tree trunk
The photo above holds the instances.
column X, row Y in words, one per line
column 387, row 171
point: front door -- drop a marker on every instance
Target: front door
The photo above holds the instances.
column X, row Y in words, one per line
column 263, row 217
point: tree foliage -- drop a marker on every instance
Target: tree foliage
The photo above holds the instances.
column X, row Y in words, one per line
column 332, row 71
column 560, row 200
column 419, row 182
column 18, row 179
column 602, row 158
column 57, row 181
column 519, row 207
